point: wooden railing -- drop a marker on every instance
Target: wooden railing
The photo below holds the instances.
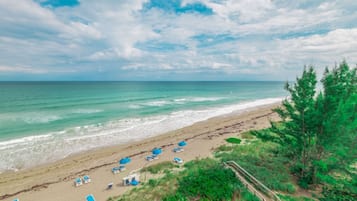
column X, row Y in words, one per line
column 253, row 184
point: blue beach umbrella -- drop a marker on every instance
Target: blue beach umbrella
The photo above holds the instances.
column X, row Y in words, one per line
column 182, row 144
column 134, row 183
column 156, row 151
column 124, row 160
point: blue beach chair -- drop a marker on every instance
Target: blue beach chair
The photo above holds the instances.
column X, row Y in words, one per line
column 149, row 158
column 86, row 179
column 78, row 182
column 178, row 160
column 119, row 169
column 177, row 149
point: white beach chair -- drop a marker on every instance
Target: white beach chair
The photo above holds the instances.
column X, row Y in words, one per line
column 178, row 149
column 110, row 186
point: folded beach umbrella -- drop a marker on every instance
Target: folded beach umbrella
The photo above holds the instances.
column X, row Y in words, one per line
column 182, row 144
column 124, row 160
column 156, row 151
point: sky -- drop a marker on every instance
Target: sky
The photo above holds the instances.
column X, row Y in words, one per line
column 226, row 40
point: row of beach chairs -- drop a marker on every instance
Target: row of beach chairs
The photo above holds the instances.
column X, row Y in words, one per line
column 121, row 168
column 178, row 149
column 116, row 170
column 79, row 181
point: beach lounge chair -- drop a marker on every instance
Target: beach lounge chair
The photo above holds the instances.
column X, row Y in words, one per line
column 86, row 179
column 115, row 170
column 149, row 158
column 178, row 160
column 90, row 197
column 119, row 169
column 178, row 149
column 122, row 168
column 78, row 182
column 110, row 186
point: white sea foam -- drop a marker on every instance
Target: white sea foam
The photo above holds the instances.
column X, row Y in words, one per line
column 32, row 118
column 87, row 111
column 133, row 106
column 160, row 103
column 202, row 99
column 157, row 103
column 34, row 150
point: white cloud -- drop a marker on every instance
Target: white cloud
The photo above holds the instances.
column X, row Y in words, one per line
column 31, row 70
column 17, row 69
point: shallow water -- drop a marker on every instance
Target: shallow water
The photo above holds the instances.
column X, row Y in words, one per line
column 46, row 121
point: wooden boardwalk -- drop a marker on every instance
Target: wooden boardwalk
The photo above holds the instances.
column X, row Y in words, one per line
column 252, row 184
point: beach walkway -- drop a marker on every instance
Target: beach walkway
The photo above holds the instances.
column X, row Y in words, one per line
column 252, row 184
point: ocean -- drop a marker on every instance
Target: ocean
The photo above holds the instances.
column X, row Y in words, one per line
column 42, row 122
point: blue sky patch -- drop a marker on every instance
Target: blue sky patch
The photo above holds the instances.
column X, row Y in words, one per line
column 205, row 40
column 292, row 35
column 160, row 46
column 58, row 3
column 175, row 6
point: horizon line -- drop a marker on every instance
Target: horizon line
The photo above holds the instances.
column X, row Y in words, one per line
column 145, row 81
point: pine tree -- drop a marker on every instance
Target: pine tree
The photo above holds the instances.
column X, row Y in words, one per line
column 297, row 133
column 318, row 132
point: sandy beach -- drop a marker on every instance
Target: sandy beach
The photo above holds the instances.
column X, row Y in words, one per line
column 55, row 181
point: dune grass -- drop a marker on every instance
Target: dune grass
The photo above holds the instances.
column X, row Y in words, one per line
column 160, row 167
column 262, row 160
column 291, row 198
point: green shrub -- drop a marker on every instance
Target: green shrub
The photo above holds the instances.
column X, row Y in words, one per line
column 291, row 198
column 175, row 197
column 248, row 196
column 233, row 140
column 213, row 184
column 152, row 182
column 290, row 188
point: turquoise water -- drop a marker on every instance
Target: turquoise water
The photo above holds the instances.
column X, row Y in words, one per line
column 68, row 117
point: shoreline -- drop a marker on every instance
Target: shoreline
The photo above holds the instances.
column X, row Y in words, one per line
column 46, row 181
column 70, row 141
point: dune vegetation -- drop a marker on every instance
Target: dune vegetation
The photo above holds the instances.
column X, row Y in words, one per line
column 309, row 155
